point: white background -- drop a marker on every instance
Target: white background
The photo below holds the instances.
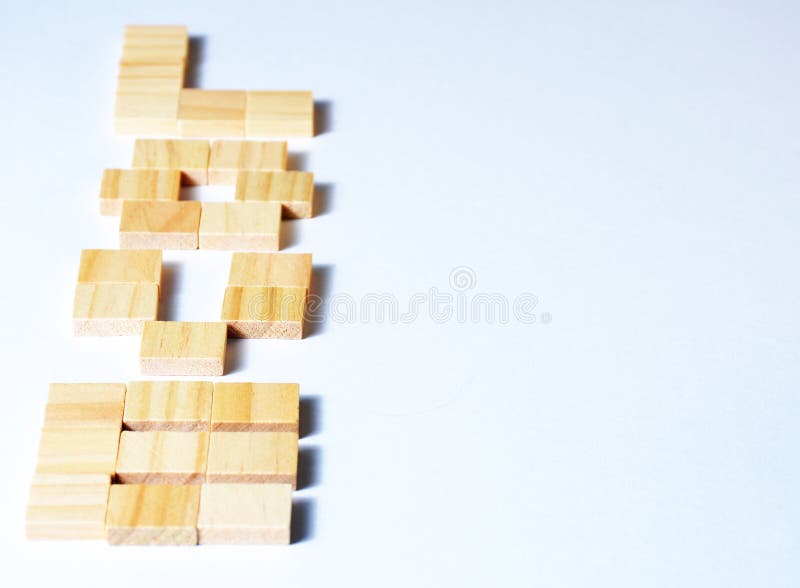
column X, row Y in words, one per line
column 632, row 164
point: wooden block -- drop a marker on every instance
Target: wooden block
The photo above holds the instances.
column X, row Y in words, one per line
column 183, row 349
column 168, row 406
column 155, row 32
column 67, row 506
column 151, row 114
column 140, row 514
column 253, row 312
column 190, row 157
column 240, row 406
column 240, row 225
column 77, row 451
column 108, row 310
column 137, row 184
column 211, row 113
column 288, row 270
column 162, row 457
column 292, row 189
column 149, row 86
column 120, row 267
column 84, row 406
column 280, row 114
column 150, row 72
column 247, row 458
column 228, row 158
column 245, row 514
column 162, row 224
column 137, row 53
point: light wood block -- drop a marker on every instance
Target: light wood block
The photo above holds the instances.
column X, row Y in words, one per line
column 140, row 514
column 183, row 349
column 67, row 506
column 150, row 114
column 148, row 224
column 137, row 184
column 84, row 406
column 188, row 156
column 155, row 32
column 287, row 270
column 253, row 312
column 77, row 451
column 246, row 406
column 108, row 310
column 240, row 225
column 168, row 406
column 293, row 190
column 280, row 114
column 150, row 72
column 228, row 158
column 136, row 52
column 162, row 457
column 245, row 514
column 149, row 86
column 119, row 266
column 211, row 113
column 247, row 458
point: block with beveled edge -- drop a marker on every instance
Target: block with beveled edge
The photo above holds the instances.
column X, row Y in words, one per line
column 168, row 406
column 173, row 348
column 148, row 224
column 253, row 312
column 152, row 514
column 255, row 406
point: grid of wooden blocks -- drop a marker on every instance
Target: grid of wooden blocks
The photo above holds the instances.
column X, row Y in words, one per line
column 167, row 463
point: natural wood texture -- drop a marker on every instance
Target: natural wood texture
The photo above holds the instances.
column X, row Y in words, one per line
column 245, row 406
column 253, row 312
column 162, row 457
column 150, row 72
column 245, row 514
column 183, row 349
column 67, row 506
column 280, row 114
column 141, row 86
column 137, row 184
column 103, row 310
column 294, row 190
column 168, row 406
column 188, row 156
column 77, row 451
column 119, row 266
column 147, row 224
column 84, row 406
column 155, row 33
column 252, row 458
column 228, row 158
column 150, row 114
column 162, row 514
column 288, row 270
column 211, row 113
column 240, row 225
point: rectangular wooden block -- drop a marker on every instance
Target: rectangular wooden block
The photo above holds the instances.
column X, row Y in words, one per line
column 245, row 514
column 228, row 158
column 108, row 310
column 138, row 53
column 162, row 457
column 150, row 72
column 149, row 86
column 146, row 114
column 293, row 190
column 67, row 506
column 253, row 312
column 119, row 266
column 137, row 184
column 148, row 224
column 287, row 270
column 168, row 406
column 188, row 156
column 155, row 32
column 77, row 451
column 247, row 458
column 280, row 114
column 247, row 406
column 84, row 406
column 172, row 348
column 240, row 225
column 211, row 113
column 140, row 514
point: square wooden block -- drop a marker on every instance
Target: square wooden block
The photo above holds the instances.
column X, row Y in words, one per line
column 280, row 114
column 211, row 113
column 228, row 158
column 78, row 451
column 84, row 406
column 67, row 506
column 160, row 514
column 159, row 224
column 240, row 225
column 137, row 184
column 162, row 457
column 190, row 157
column 287, row 270
column 172, row 348
column 146, row 114
column 245, row 514
column 248, row 458
column 107, row 310
column 247, row 406
column 168, row 406
column 293, row 190
column 121, row 267
column 264, row 313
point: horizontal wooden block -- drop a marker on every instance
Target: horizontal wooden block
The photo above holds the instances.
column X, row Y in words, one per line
column 240, row 225
column 77, row 451
column 149, row 86
column 252, row 458
column 246, row 406
column 287, row 270
column 183, row 349
column 150, row 72
column 108, row 310
column 137, row 184
column 168, row 406
column 155, row 32
column 211, row 113
column 160, row 514
column 228, row 158
column 162, row 457
column 165, row 53
column 149, row 224
column 279, row 114
column 253, row 312
column 150, row 114
column 67, row 506
column 84, row 406
column 119, row 266
column 294, row 190
column 188, row 156
column 245, row 514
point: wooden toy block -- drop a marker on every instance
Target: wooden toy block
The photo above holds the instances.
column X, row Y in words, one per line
column 253, row 312
column 228, row 158
column 161, row 224
column 247, row 458
column 183, row 349
column 120, row 267
column 155, row 33
column 240, row 225
column 67, row 506
column 150, row 72
column 287, row 270
column 78, row 451
column 245, row 514
column 188, row 156
column 294, row 190
column 168, row 406
column 108, row 310
column 165, row 53
column 137, row 184
column 211, row 113
column 151, row 114
column 84, row 406
column 162, row 457
column 240, row 406
column 279, row 114
column 160, row 514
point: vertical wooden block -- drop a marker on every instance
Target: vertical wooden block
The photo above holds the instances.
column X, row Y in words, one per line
column 168, row 406
column 211, row 113
column 159, row 224
column 106, row 310
column 120, row 267
column 240, row 225
column 293, row 190
column 137, row 184
column 245, row 514
column 246, row 406
column 287, row 270
column 162, row 457
column 253, row 312
column 84, row 406
column 77, row 451
column 228, row 158
column 161, row 514
column 183, row 349
column 67, row 506
column 280, row 114
column 190, row 157
column 252, row 458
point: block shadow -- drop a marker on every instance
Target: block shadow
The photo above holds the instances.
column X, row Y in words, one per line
column 235, row 355
column 309, row 463
column 323, row 117
column 297, row 161
column 304, row 512
column 290, row 233
column 323, row 198
column 170, row 287
column 197, row 55
column 318, row 294
column 310, row 416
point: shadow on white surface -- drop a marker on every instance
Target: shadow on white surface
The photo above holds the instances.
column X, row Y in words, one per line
column 309, row 463
column 197, row 54
column 318, row 293
column 323, row 117
column 303, row 517
column 310, row 418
